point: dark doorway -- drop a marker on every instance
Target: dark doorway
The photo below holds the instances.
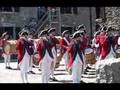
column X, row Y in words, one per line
column 97, row 12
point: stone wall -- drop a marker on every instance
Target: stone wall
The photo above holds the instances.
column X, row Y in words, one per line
column 108, row 71
column 19, row 18
column 113, row 16
column 83, row 17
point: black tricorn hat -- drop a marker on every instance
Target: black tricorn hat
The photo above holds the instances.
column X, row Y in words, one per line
column 43, row 32
column 65, row 32
column 24, row 32
column 51, row 30
column 80, row 27
column 76, row 34
column 4, row 34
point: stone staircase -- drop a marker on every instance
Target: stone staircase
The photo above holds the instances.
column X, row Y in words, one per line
column 90, row 77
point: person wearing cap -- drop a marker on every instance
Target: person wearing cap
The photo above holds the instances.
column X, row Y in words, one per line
column 23, row 54
column 85, row 40
column 45, row 55
column 80, row 27
column 31, row 42
column 99, row 24
column 4, row 38
column 96, row 45
column 65, row 42
column 76, row 61
column 104, row 44
column 54, row 44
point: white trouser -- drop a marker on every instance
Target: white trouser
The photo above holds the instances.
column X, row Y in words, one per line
column 77, row 68
column 24, row 66
column 66, row 58
column 54, row 61
column 30, row 63
column 45, row 67
column 6, row 59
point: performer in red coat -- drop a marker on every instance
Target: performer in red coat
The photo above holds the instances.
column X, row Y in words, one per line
column 32, row 48
column 65, row 42
column 76, row 62
column 55, row 43
column 44, row 48
column 85, row 41
column 104, row 44
column 5, row 37
column 82, row 29
column 24, row 52
column 95, row 44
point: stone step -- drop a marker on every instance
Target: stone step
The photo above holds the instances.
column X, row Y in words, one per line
column 91, row 70
column 88, row 76
column 90, row 80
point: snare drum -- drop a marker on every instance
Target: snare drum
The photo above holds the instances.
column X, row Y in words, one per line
column 118, row 53
column 89, row 55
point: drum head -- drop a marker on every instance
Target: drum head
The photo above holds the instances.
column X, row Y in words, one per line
column 88, row 50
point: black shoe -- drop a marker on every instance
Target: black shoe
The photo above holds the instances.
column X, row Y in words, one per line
column 8, row 67
column 88, row 67
column 31, row 72
column 86, row 70
column 53, row 79
column 85, row 73
column 39, row 69
column 82, row 81
column 33, row 66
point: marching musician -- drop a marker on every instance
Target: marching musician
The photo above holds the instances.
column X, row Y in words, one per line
column 65, row 42
column 4, row 39
column 55, row 43
column 24, row 52
column 104, row 44
column 30, row 39
column 76, row 62
column 96, row 45
column 45, row 55
column 81, row 28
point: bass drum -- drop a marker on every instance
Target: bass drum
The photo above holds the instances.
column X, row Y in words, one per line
column 7, row 47
column 10, row 47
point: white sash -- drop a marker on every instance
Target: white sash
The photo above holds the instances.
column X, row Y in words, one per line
column 66, row 41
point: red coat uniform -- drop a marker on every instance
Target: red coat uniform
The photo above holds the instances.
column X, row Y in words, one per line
column 64, row 44
column 42, row 46
column 73, row 50
column 103, row 41
column 84, row 43
column 21, row 46
column 20, row 49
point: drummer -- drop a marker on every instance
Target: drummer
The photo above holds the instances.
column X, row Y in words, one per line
column 54, row 44
column 31, row 42
column 76, row 63
column 24, row 53
column 65, row 42
column 5, row 37
column 45, row 55
column 82, row 29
